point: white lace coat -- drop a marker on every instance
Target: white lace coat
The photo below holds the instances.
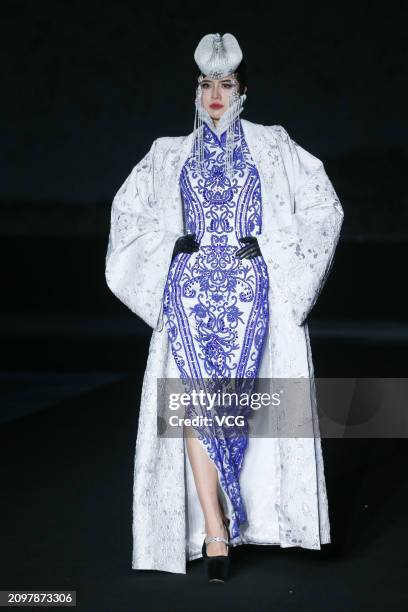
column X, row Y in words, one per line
column 282, row 482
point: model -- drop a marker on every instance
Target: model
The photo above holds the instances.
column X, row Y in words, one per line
column 221, row 241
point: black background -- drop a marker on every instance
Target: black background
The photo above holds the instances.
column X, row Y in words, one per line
column 87, row 87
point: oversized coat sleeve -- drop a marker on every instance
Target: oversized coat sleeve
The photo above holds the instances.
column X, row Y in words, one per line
column 139, row 246
column 300, row 255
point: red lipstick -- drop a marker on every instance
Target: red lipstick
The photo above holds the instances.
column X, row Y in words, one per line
column 216, row 105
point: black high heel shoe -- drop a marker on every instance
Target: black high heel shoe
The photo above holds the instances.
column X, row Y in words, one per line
column 217, row 567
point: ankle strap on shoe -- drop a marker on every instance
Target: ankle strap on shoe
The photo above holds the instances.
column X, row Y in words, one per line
column 209, row 539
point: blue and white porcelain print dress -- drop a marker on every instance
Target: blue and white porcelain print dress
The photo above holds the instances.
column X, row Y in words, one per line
column 214, row 304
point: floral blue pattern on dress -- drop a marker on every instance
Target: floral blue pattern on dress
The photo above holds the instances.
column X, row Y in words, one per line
column 215, row 305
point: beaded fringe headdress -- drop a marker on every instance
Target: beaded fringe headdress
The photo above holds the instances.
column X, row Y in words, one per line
column 201, row 115
column 217, row 57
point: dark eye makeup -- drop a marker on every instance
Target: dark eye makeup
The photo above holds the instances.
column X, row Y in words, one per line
column 226, row 84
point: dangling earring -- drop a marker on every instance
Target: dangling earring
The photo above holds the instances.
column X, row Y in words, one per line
column 198, row 131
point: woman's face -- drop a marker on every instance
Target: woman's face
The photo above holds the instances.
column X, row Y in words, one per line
column 216, row 94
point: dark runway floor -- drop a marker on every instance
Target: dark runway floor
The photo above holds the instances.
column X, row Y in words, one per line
column 67, row 475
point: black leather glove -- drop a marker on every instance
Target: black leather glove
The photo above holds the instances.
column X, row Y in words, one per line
column 185, row 244
column 251, row 248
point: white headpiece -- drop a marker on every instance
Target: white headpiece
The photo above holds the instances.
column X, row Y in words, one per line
column 217, row 57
